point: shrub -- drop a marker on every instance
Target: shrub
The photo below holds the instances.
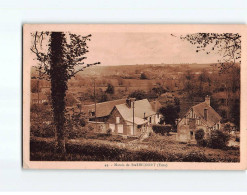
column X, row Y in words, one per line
column 143, row 76
column 162, row 129
column 199, row 135
column 73, row 133
column 109, row 131
column 218, row 139
column 42, row 130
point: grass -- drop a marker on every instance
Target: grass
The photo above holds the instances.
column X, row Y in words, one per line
column 155, row 148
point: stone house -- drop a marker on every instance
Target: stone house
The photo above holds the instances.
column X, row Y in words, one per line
column 103, row 110
column 118, row 115
column 200, row 116
column 133, row 117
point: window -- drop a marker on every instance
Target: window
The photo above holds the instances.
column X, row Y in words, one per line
column 150, row 119
column 218, row 126
column 117, row 119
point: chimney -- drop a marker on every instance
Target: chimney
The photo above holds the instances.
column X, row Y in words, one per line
column 128, row 102
column 207, row 100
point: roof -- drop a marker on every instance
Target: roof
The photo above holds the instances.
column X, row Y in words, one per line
column 156, row 105
column 140, row 107
column 213, row 116
column 137, row 120
column 102, row 109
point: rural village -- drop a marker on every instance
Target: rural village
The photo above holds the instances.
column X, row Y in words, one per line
column 88, row 102
column 146, row 107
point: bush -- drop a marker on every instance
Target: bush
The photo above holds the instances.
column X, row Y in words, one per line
column 218, row 139
column 42, row 130
column 109, row 131
column 162, row 129
column 143, row 76
column 199, row 135
column 74, row 133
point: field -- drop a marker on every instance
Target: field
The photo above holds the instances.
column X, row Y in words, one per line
column 116, row 148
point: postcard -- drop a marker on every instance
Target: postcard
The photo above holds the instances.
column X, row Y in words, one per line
column 134, row 96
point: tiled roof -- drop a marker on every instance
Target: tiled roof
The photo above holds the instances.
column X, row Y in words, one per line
column 102, row 109
column 213, row 116
column 140, row 107
column 156, row 105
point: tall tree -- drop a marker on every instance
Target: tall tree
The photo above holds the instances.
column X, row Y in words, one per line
column 58, row 63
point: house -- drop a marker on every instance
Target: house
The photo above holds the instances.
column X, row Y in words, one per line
column 103, row 110
column 200, row 116
column 118, row 115
column 133, row 117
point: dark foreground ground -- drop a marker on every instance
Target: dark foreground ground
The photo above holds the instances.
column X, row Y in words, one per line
column 115, row 148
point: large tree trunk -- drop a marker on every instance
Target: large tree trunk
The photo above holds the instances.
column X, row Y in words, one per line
column 59, row 80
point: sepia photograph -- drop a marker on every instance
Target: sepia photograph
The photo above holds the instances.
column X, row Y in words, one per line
column 133, row 96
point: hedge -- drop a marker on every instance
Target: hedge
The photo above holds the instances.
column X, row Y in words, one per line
column 162, row 129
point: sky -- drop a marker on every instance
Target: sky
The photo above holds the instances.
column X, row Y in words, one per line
column 144, row 48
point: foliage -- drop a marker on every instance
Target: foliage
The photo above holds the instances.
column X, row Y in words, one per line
column 162, row 129
column 110, row 89
column 170, row 114
column 159, row 90
column 218, row 139
column 97, row 151
column 199, row 135
column 235, row 111
column 226, row 44
column 109, row 131
column 58, row 64
column 138, row 94
column 42, row 130
column 70, row 100
column 143, row 76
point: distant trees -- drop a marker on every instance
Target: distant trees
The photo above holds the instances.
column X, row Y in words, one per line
column 110, row 89
column 158, row 90
column 138, row 94
column 143, row 76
